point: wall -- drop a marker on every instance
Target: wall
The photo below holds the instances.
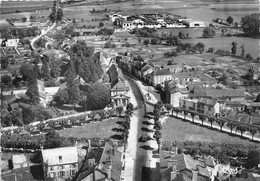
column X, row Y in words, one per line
column 175, row 98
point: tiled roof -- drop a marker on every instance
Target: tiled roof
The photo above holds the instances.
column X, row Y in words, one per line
column 52, row 156
column 219, row 93
column 113, row 75
column 207, row 101
column 162, row 72
column 111, row 157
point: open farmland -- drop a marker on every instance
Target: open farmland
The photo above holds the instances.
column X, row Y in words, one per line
column 176, row 129
column 20, row 6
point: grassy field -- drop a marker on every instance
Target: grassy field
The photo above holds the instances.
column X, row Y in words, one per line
column 176, row 129
column 101, row 129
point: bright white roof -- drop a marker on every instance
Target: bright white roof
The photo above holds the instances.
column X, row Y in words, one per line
column 60, row 156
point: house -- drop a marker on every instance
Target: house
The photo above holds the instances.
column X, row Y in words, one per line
column 202, row 105
column 147, row 69
column 176, row 68
column 9, row 42
column 111, row 162
column 160, row 76
column 18, row 161
column 218, row 94
column 119, row 88
column 234, row 105
column 255, row 107
column 208, row 106
column 60, row 162
column 174, row 91
column 128, row 25
column 193, row 23
column 175, row 167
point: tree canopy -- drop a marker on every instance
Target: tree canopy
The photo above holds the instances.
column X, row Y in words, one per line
column 98, row 96
column 251, row 24
column 208, row 32
column 87, row 64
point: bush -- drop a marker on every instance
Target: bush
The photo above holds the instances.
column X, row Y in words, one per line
column 208, row 32
column 210, row 50
column 101, row 24
column 146, row 42
column 182, row 35
column 248, row 57
column 109, row 45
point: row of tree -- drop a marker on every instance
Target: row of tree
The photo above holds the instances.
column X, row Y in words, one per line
column 51, row 140
column 242, row 127
column 157, row 124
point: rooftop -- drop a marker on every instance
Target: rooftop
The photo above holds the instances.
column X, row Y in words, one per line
column 60, row 156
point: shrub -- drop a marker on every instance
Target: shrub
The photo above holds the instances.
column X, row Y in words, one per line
column 208, row 32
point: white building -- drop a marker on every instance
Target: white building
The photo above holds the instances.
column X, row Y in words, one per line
column 60, row 162
column 193, row 24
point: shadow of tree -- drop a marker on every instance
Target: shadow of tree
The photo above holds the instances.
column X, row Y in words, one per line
column 147, row 123
column 119, row 122
column 146, row 147
column 117, row 130
column 37, row 172
column 147, row 130
column 116, row 137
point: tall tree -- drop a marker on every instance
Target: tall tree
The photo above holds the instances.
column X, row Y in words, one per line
column 230, row 20
column 72, row 85
column 234, row 48
column 53, row 14
column 55, row 69
column 32, row 91
column 251, row 24
column 52, row 139
column 98, row 96
column 59, row 14
column 242, row 50
column 87, row 64
column 45, row 71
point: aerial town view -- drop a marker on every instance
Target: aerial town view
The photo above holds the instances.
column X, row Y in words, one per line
column 130, row 90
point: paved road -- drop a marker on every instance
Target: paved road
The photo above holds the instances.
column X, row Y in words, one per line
column 43, row 32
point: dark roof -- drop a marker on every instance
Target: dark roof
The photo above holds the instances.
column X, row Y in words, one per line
column 120, row 85
column 112, row 157
column 113, row 75
column 9, row 98
column 218, row 93
column 162, row 72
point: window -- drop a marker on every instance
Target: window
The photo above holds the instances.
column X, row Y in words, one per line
column 209, row 108
column 60, row 158
column 62, row 173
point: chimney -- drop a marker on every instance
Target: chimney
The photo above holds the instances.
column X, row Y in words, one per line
column 109, row 171
column 194, row 175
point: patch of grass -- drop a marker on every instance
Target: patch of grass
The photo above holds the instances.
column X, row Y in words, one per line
column 101, row 129
column 176, row 129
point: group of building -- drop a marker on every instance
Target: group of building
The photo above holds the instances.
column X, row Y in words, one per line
column 153, row 20
column 181, row 167
column 192, row 89
column 66, row 164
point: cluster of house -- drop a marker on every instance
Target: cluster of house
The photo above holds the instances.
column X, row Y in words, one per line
column 179, row 167
column 45, row 94
column 153, row 20
column 192, row 90
column 65, row 164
